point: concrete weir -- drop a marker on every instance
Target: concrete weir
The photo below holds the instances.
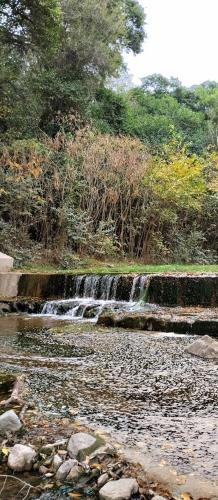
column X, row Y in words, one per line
column 172, row 290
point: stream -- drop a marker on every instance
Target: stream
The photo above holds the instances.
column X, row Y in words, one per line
column 139, row 386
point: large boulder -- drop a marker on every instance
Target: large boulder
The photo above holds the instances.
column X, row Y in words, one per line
column 122, row 489
column 21, row 458
column 81, row 444
column 205, row 347
column 9, row 422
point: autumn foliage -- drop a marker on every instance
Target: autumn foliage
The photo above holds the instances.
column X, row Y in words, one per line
column 106, row 195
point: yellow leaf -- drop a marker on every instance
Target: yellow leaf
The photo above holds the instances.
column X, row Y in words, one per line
column 96, row 466
column 185, row 496
column 5, row 451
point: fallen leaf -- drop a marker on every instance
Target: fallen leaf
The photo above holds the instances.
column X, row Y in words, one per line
column 185, row 496
column 5, row 451
column 96, row 466
column 74, row 495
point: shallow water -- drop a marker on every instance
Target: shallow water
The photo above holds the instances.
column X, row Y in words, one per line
column 140, row 386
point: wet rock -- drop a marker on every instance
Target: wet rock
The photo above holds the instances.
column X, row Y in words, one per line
column 4, row 308
column 102, row 480
column 65, row 469
column 80, row 443
column 122, row 489
column 162, row 320
column 106, row 318
column 56, row 463
column 75, row 473
column 91, row 312
column 9, row 422
column 205, row 347
column 21, row 458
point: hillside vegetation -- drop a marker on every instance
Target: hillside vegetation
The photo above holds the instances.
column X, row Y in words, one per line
column 89, row 165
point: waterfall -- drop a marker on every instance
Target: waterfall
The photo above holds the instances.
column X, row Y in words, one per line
column 138, row 288
column 96, row 287
column 106, row 287
column 78, row 280
column 91, row 294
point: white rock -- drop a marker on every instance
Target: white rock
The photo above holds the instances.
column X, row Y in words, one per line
column 122, row 489
column 9, row 422
column 21, row 458
column 80, row 442
column 102, row 480
column 56, row 463
column 65, row 468
column 205, row 347
column 75, row 473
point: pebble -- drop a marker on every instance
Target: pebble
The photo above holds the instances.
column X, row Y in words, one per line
column 122, row 489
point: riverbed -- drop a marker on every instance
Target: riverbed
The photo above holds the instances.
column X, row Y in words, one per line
column 139, row 386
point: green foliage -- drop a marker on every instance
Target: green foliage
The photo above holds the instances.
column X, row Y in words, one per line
column 92, row 170
column 104, row 195
column 109, row 112
column 188, row 246
column 56, row 54
column 29, row 24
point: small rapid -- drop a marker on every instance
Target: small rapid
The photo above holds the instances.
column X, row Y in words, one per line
column 93, row 294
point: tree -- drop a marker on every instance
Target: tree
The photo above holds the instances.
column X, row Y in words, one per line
column 67, row 50
column 159, row 84
column 29, row 24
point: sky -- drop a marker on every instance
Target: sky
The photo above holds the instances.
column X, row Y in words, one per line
column 182, row 41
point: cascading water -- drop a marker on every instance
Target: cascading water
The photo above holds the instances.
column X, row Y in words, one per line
column 91, row 294
column 97, row 287
column 138, row 288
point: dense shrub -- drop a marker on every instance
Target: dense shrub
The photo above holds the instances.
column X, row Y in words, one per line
column 104, row 195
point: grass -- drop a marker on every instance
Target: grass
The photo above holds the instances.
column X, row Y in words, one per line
column 91, row 266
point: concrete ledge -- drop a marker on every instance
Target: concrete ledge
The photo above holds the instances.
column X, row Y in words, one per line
column 165, row 290
column 6, row 263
